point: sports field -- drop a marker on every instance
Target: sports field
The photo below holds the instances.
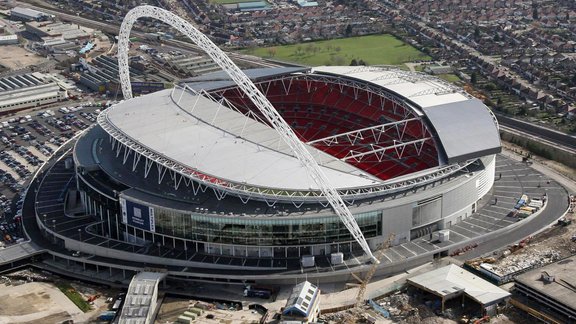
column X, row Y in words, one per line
column 373, row 50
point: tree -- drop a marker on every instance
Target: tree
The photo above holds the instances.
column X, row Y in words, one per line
column 476, row 33
column 361, row 62
column 299, row 50
column 522, row 111
column 474, row 78
column 348, row 31
column 354, row 62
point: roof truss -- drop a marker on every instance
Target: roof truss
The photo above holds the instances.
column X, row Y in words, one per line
column 373, row 132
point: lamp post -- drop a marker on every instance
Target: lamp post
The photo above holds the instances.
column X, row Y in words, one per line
column 54, row 230
column 45, row 226
column 80, row 234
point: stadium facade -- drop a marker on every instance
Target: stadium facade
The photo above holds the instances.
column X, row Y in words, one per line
column 199, row 169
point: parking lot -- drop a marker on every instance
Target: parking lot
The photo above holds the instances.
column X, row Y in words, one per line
column 26, row 141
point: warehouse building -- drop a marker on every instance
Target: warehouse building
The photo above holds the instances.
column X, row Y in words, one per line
column 51, row 30
column 452, row 283
column 8, row 40
column 27, row 14
column 193, row 65
column 28, row 91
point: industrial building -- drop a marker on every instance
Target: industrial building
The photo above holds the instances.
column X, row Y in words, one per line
column 9, row 40
column 553, row 287
column 101, row 75
column 51, row 30
column 28, row 91
column 194, row 65
column 455, row 283
column 27, row 14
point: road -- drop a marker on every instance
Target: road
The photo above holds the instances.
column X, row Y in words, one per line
column 552, row 137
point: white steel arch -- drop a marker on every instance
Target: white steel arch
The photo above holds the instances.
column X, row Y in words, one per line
column 259, row 100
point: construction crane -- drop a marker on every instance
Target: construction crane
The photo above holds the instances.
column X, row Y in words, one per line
column 364, row 283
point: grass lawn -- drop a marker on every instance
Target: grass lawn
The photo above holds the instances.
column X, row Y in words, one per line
column 74, row 296
column 453, row 78
column 373, row 49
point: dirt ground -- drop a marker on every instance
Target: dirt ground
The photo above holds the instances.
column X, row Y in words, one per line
column 25, row 299
column 15, row 57
column 173, row 307
column 546, row 247
column 35, row 302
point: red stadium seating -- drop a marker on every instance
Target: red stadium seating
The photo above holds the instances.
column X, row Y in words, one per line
column 315, row 109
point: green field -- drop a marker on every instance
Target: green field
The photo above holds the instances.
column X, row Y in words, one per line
column 373, row 50
column 452, row 78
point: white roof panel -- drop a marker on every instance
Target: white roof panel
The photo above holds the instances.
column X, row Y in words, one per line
column 223, row 143
column 422, row 89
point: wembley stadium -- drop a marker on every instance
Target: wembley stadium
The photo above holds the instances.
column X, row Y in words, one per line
column 198, row 169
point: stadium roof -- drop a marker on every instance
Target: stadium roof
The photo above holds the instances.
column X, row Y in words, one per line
column 465, row 129
column 220, row 79
column 464, row 125
column 419, row 89
column 224, row 148
column 223, row 143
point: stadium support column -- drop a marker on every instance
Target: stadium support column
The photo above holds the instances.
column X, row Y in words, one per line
column 245, row 84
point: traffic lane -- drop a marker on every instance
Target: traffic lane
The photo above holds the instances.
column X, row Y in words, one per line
column 557, row 204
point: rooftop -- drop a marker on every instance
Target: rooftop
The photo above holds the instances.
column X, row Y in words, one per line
column 302, row 299
column 28, row 12
column 562, row 288
column 140, row 301
column 465, row 126
column 205, row 136
column 453, row 280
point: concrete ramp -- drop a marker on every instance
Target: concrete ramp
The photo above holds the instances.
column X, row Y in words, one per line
column 141, row 300
column 19, row 252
